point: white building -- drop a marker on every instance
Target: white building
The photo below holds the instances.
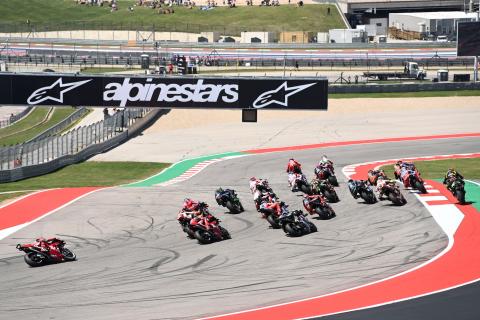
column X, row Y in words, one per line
column 438, row 23
column 257, row 37
column 347, row 35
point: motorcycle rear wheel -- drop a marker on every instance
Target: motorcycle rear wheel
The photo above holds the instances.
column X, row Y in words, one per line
column 460, row 195
column 292, row 231
column 273, row 222
column 420, row 187
column 34, row 259
column 333, row 180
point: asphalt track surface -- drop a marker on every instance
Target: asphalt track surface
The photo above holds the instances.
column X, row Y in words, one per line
column 134, row 262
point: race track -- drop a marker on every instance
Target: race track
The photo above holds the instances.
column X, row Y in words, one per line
column 135, row 263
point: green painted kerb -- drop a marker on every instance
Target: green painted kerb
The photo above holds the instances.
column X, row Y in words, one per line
column 473, row 194
column 178, row 168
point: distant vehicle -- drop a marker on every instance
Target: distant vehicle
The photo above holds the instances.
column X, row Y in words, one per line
column 442, row 39
column 410, row 71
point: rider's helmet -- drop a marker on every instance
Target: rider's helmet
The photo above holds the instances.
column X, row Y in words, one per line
column 219, row 190
column 41, row 239
column 350, row 180
column 399, row 162
column 187, row 202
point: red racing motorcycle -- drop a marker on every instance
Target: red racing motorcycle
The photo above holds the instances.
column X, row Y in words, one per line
column 208, row 229
column 46, row 251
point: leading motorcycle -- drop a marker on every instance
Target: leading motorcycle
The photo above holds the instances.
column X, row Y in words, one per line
column 52, row 251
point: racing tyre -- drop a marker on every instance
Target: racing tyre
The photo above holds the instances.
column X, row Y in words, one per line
column 460, row 195
column 292, row 231
column 203, row 237
column 34, row 259
column 225, row 234
column 273, row 222
column 331, row 197
column 313, row 228
column 306, row 189
column 420, row 187
column 68, row 255
column 333, row 180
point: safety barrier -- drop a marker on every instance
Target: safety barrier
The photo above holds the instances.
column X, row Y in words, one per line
column 405, row 87
column 62, row 125
column 39, row 157
column 14, row 118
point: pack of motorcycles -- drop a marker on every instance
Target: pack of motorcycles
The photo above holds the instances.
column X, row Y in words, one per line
column 318, row 194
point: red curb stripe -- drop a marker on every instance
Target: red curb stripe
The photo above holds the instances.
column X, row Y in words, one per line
column 38, row 204
column 439, row 274
column 438, row 202
column 353, row 142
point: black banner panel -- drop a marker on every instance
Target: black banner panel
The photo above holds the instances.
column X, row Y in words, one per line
column 163, row 92
column 468, row 39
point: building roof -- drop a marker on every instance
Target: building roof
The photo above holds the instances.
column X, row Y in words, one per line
column 439, row 15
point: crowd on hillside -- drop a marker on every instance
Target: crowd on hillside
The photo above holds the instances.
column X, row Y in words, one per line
column 161, row 4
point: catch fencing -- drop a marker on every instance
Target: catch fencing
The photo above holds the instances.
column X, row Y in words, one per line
column 14, row 118
column 210, row 60
column 56, row 147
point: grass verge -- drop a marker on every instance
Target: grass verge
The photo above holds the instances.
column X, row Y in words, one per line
column 420, row 94
column 89, row 174
column 436, row 169
column 67, row 15
column 32, row 125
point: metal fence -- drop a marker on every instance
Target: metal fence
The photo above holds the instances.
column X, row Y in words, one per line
column 214, row 60
column 54, row 147
column 14, row 118
column 61, row 126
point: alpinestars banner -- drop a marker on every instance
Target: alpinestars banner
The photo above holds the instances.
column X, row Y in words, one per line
column 163, row 92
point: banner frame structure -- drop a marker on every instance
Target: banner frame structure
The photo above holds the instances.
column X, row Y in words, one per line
column 185, row 92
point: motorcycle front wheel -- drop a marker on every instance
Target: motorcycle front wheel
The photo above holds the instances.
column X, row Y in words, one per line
column 68, row 255
column 273, row 222
column 460, row 195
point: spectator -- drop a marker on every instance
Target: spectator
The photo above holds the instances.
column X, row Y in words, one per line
column 17, row 163
column 328, row 10
column 296, row 65
column 106, row 115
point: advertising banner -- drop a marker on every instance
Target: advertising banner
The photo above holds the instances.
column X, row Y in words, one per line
column 163, row 92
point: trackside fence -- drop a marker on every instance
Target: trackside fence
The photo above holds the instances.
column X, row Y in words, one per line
column 51, row 153
column 14, row 118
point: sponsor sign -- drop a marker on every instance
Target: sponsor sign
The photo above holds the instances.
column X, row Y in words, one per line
column 163, row 92
column 468, row 39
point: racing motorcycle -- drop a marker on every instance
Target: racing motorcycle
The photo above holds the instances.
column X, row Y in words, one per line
column 319, row 206
column 228, row 198
column 272, row 216
column 326, row 173
column 296, row 224
column 457, row 188
column 186, row 223
column 208, row 230
column 326, row 189
column 267, row 197
column 360, row 189
column 53, row 252
column 415, row 181
column 392, row 192
column 302, row 184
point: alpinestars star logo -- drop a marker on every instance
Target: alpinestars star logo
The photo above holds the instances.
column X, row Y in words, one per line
column 53, row 92
column 279, row 95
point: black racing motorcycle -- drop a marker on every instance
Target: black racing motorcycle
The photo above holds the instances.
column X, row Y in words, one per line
column 228, row 198
column 296, row 224
column 325, row 188
column 457, row 188
column 360, row 189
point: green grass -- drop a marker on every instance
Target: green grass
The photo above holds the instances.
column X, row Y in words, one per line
column 436, row 169
column 36, row 117
column 420, row 94
column 89, row 174
column 54, row 15
column 7, row 196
